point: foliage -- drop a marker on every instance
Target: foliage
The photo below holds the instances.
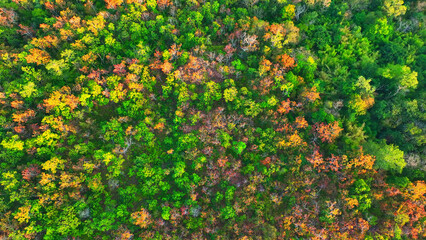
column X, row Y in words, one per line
column 240, row 119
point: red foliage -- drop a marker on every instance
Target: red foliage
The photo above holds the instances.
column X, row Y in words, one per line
column 7, row 17
column 120, row 69
column 30, row 172
column 19, row 129
column 26, row 31
column 266, row 161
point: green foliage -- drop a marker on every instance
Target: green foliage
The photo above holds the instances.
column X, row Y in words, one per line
column 239, row 147
column 228, row 212
column 206, row 120
column 388, row 157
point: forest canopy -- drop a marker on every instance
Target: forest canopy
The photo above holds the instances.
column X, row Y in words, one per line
column 212, row 119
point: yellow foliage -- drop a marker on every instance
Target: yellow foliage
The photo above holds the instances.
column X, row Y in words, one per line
column 118, row 93
column 351, row 202
column 96, row 184
column 108, row 157
column 394, row 8
column 47, row 181
column 58, row 99
column 9, row 181
column 24, row 214
column 360, row 105
column 78, row 45
column 13, row 144
column 96, row 24
column 47, row 138
column 57, row 123
column 417, row 190
column 68, row 180
column 54, row 164
column 294, row 140
column 289, row 11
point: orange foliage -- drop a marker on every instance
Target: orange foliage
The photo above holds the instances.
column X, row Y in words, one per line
column 120, row 69
column 174, row 51
column 2, row 96
column 166, row 67
column 159, row 126
column 19, row 129
column 417, row 190
column 61, row 98
column 17, row 104
column 316, row 158
column 285, row 107
column 49, row 6
column 328, row 132
column 113, row 4
column 364, row 161
column 23, row 117
column 265, row 85
column 89, row 58
column 294, row 140
column 66, row 34
column 264, row 66
column 311, row 95
column 194, row 71
column 222, row 162
column 25, row 31
column 37, row 56
column 286, row 61
column 300, row 122
column 266, row 161
column 162, row 4
column 274, row 29
column 75, row 22
column 138, row 2
column 142, row 218
column 45, row 42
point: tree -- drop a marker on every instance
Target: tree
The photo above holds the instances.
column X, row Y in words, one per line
column 37, row 56
column 394, row 8
column 7, row 17
column 328, row 132
column 230, row 94
column 30, row 172
column 388, row 157
column 113, row 4
column 402, row 76
column 142, row 218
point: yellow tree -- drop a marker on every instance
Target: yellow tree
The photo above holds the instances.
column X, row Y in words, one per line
column 394, row 8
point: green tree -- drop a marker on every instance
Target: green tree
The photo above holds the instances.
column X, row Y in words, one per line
column 388, row 157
